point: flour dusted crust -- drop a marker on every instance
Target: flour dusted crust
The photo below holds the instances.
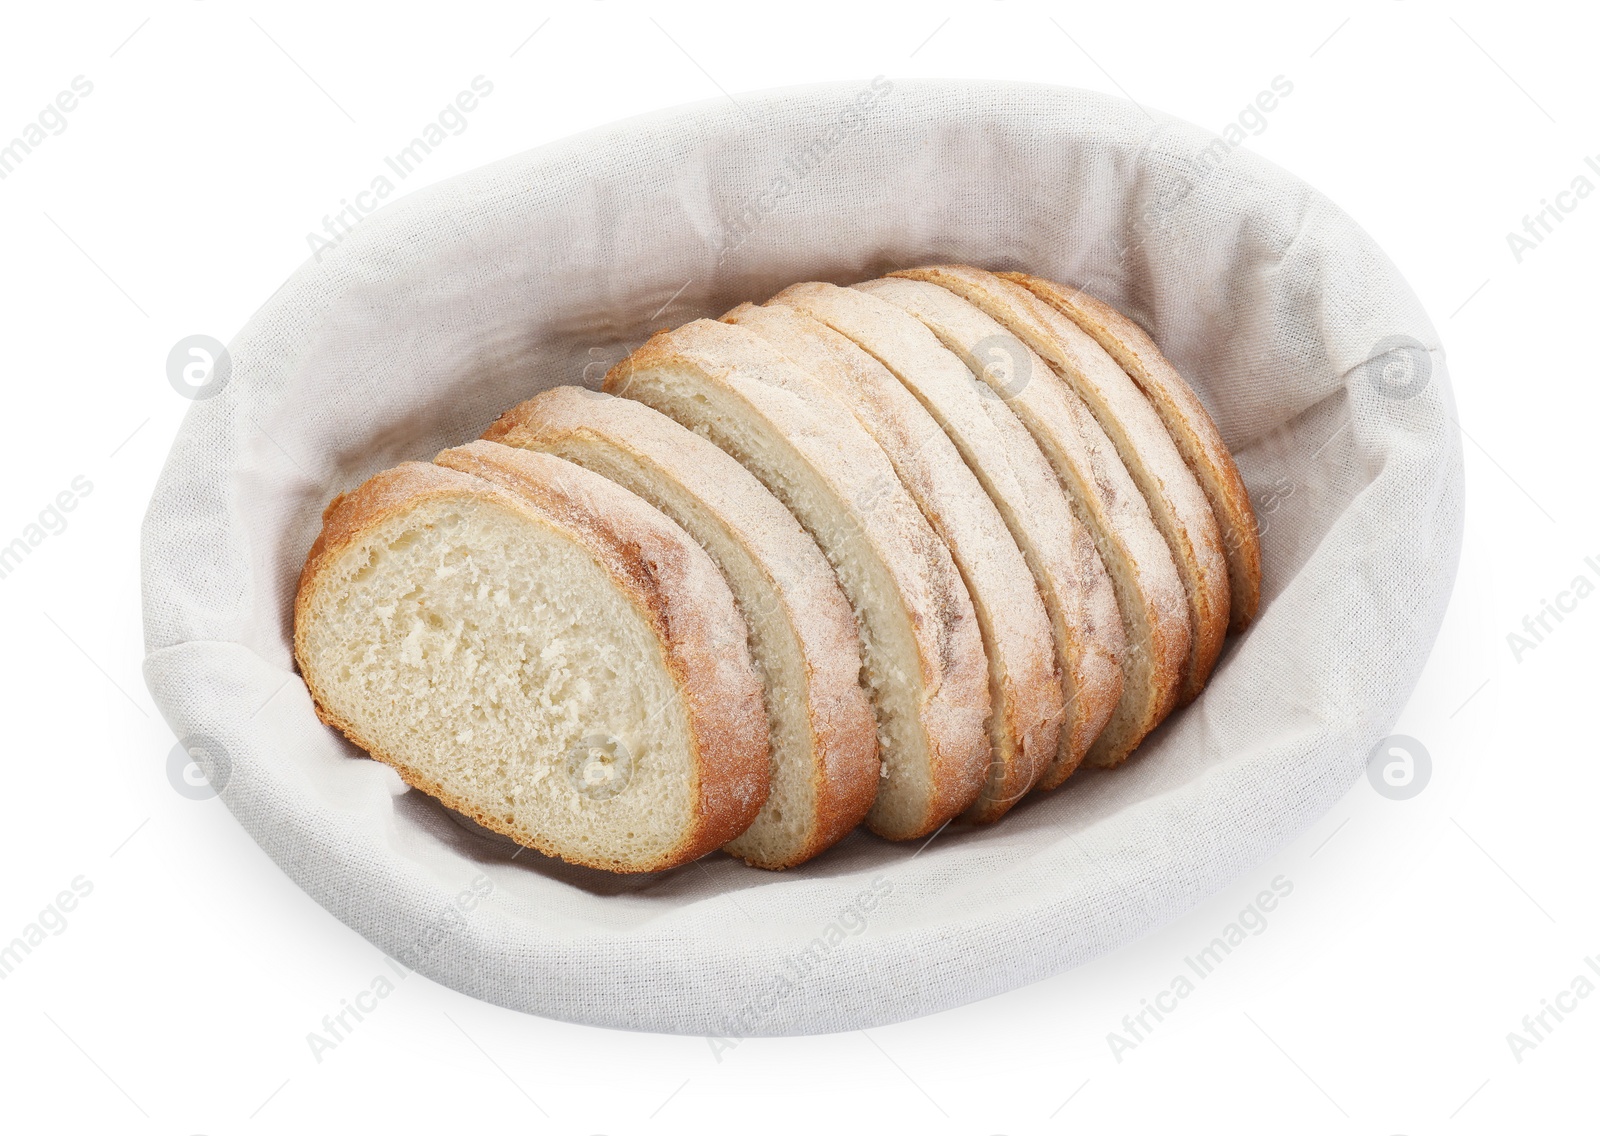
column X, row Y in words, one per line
column 668, row 578
column 1025, row 685
column 1192, row 428
column 1060, row 553
column 1150, row 594
column 1177, row 504
column 951, row 665
column 571, row 423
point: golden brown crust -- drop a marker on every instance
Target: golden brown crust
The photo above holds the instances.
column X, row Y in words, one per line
column 1150, row 595
column 953, row 671
column 1177, row 504
column 701, row 635
column 1192, row 429
column 1027, row 698
column 568, row 422
column 1067, row 567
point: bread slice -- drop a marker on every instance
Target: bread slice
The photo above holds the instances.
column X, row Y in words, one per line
column 1186, row 419
column 1150, row 596
column 540, row 650
column 803, row 640
column 1024, row 683
column 1177, row 505
column 891, row 350
column 923, row 655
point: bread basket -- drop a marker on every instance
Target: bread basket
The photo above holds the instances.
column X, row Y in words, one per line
column 434, row 314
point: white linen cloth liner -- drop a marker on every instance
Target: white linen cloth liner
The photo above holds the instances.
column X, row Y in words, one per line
column 454, row 303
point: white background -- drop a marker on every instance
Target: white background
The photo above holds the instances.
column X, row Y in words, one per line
column 1419, row 933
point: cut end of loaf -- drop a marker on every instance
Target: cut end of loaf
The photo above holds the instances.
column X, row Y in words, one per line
column 487, row 651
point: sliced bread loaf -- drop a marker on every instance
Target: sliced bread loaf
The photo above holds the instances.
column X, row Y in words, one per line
column 1177, row 505
column 1150, row 596
column 923, row 653
column 1186, row 419
column 802, row 633
column 541, row 650
column 1024, row 683
column 871, row 344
